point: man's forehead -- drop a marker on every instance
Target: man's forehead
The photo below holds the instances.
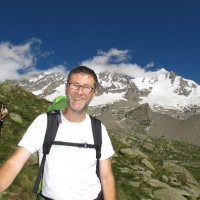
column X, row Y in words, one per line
column 81, row 74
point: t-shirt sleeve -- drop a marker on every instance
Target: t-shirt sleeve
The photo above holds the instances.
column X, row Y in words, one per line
column 107, row 150
column 33, row 138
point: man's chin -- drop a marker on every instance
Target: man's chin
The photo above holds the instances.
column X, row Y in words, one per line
column 78, row 110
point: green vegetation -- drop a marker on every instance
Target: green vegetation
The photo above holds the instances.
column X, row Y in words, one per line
column 141, row 165
column 23, row 107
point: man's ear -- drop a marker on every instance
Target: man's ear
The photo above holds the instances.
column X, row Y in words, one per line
column 95, row 92
column 65, row 88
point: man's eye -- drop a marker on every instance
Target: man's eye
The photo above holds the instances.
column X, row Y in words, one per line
column 75, row 85
column 86, row 86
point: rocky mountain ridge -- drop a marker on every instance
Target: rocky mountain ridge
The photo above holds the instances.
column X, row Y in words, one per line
column 165, row 104
column 162, row 90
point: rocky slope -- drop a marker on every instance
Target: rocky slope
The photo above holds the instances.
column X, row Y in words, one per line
column 156, row 168
column 121, row 116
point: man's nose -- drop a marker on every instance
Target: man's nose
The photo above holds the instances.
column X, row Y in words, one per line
column 80, row 89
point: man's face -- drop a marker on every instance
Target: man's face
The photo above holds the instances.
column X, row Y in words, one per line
column 79, row 98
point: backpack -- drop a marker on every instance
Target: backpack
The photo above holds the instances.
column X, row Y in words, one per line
column 53, row 121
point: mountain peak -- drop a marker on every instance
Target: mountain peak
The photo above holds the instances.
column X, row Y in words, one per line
column 162, row 90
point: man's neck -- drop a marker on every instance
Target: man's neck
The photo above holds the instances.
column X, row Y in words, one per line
column 73, row 116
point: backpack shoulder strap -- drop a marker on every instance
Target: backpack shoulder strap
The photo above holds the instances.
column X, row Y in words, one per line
column 97, row 135
column 53, row 121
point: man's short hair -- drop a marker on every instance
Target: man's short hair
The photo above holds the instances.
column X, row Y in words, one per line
column 84, row 70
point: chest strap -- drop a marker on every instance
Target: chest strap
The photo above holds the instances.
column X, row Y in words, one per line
column 80, row 145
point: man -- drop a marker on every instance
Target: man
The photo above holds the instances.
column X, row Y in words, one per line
column 3, row 113
column 70, row 172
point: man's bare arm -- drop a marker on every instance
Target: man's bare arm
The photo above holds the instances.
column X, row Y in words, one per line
column 107, row 180
column 12, row 166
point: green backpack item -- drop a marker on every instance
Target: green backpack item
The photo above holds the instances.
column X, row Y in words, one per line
column 53, row 121
column 59, row 103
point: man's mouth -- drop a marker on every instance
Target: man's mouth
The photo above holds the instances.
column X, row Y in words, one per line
column 78, row 99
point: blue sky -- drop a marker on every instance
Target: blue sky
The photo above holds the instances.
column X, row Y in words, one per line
column 145, row 35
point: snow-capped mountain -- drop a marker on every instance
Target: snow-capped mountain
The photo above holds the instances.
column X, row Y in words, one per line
column 162, row 90
column 166, row 89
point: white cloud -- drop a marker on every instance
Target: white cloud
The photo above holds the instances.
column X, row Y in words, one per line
column 149, row 65
column 20, row 60
column 115, row 61
column 16, row 58
column 57, row 69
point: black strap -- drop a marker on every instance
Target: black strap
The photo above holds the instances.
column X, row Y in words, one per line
column 53, row 121
column 97, row 135
column 39, row 176
column 80, row 145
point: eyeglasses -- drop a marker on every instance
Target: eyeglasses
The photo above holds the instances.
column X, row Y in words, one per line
column 76, row 86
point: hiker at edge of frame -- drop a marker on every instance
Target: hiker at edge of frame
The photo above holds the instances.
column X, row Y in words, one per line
column 3, row 113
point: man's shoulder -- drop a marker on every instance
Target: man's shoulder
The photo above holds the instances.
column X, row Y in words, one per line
column 40, row 119
column 42, row 116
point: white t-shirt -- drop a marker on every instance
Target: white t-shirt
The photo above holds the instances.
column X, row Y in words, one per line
column 70, row 172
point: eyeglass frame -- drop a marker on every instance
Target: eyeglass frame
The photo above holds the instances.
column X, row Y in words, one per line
column 84, row 87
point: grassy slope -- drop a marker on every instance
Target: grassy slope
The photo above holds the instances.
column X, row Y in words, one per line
column 27, row 106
